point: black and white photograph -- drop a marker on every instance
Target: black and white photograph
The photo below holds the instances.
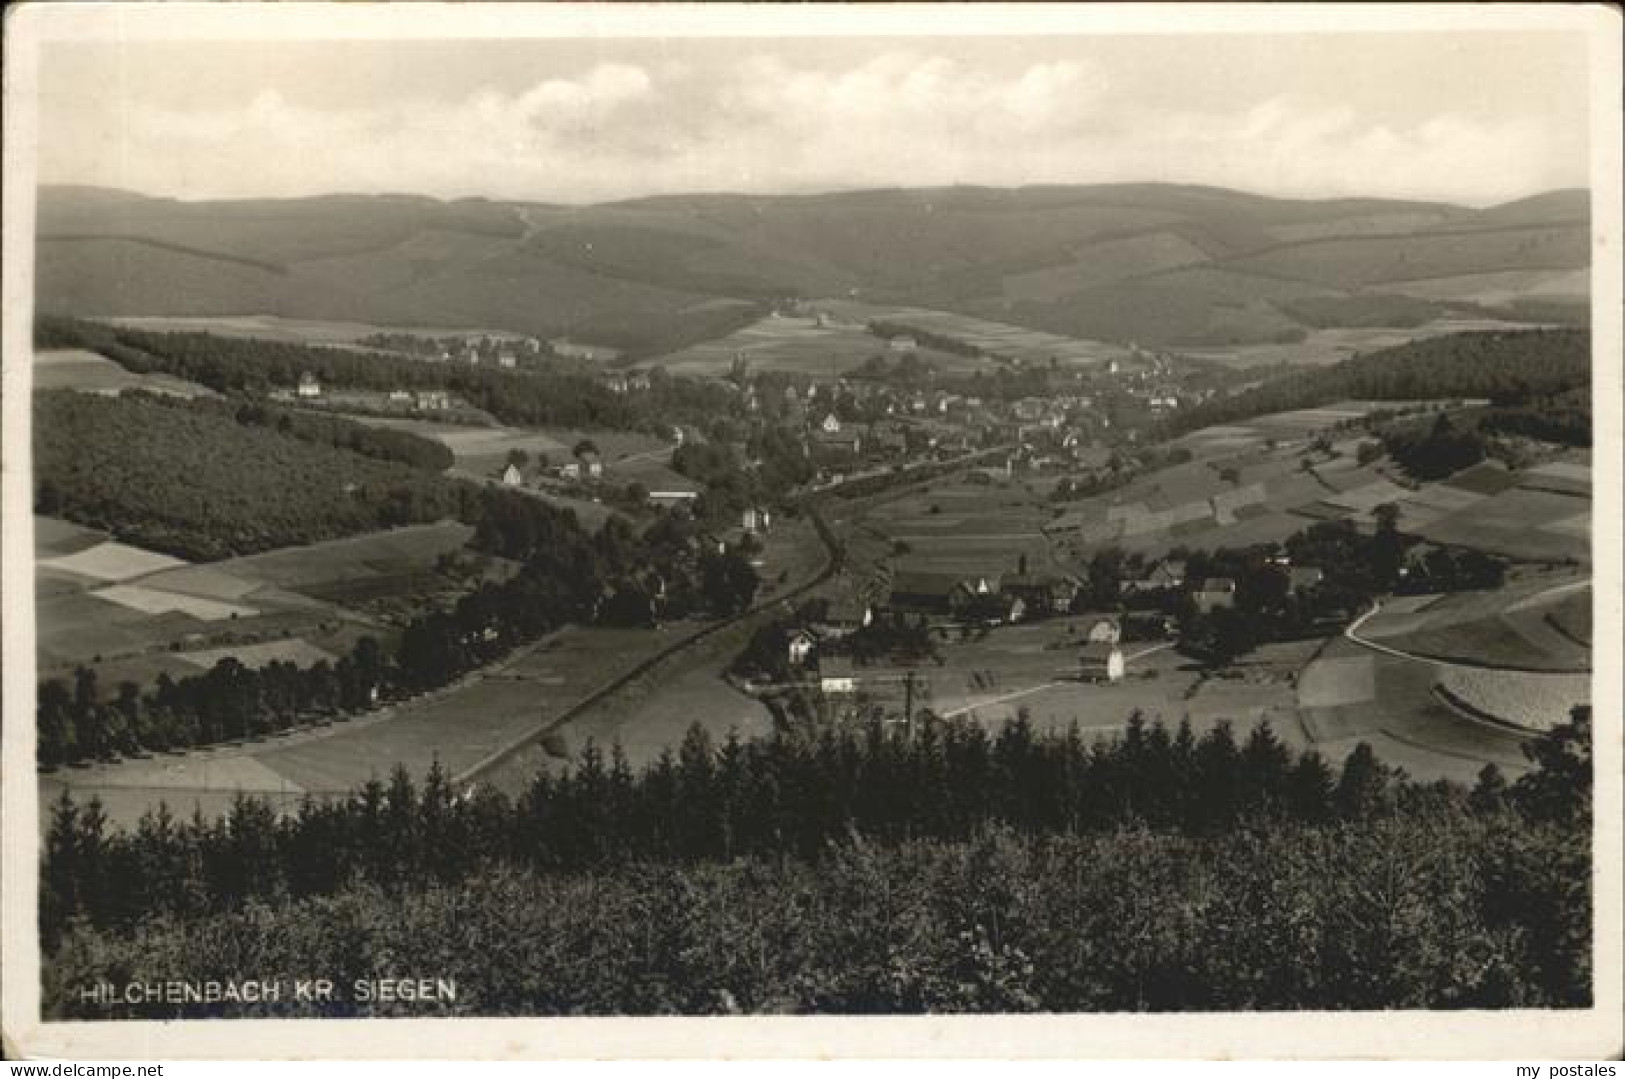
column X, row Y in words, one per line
column 799, row 513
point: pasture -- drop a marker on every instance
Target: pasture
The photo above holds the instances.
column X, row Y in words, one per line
column 298, row 331
column 795, row 345
column 90, row 372
column 1538, row 622
column 1349, row 694
column 996, row 339
column 133, row 614
column 1322, row 348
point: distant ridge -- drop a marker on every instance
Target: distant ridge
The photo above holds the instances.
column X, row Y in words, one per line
column 1154, row 263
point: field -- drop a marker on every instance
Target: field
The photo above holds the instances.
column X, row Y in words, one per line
column 130, row 613
column 1323, row 347
column 298, row 331
column 88, row 372
column 997, row 339
column 956, row 526
column 1349, row 695
column 1537, row 622
column 484, row 450
column 798, row 346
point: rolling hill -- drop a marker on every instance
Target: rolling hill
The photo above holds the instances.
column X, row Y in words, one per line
column 1160, row 264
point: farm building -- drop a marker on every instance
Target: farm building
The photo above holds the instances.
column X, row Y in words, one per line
column 673, row 496
column 837, row 443
column 902, row 343
column 845, row 616
column 1101, row 663
column 993, row 608
column 801, row 645
column 1302, row 577
column 308, row 386
column 1100, row 629
column 1169, row 573
column 591, row 464
column 431, row 400
column 507, row 359
column 831, row 423
column 570, row 471
column 1042, row 594
column 836, row 675
column 930, row 592
column 756, row 519
column 512, row 477
column 1215, row 592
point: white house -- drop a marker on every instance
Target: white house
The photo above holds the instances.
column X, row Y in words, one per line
column 512, row 477
column 308, row 386
column 1098, row 630
column 902, row 343
column 836, row 675
column 800, row 646
column 756, row 519
column 831, row 424
column 1101, row 663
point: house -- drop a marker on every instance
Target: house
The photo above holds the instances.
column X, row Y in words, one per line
column 800, row 646
column 756, row 519
column 507, row 359
column 616, row 384
column 831, row 424
column 837, row 675
column 1169, row 573
column 308, row 386
column 1041, row 594
column 846, row 616
column 1101, row 663
column 431, row 400
column 837, row 443
column 673, row 496
column 570, row 471
column 923, row 592
column 1100, row 629
column 512, row 477
column 902, row 343
column 592, row 466
column 928, row 592
column 1215, row 592
column 992, row 608
column 400, row 397
column 1300, row 578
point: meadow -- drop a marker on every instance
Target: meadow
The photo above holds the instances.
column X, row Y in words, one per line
column 88, row 372
column 797, row 345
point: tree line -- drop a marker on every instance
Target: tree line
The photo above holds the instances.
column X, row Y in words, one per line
column 253, row 480
column 1509, row 366
column 1156, row 870
column 557, row 393
column 565, row 575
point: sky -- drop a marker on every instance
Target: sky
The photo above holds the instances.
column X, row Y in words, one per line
column 1476, row 117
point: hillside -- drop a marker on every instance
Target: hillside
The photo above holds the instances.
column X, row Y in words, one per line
column 1160, row 264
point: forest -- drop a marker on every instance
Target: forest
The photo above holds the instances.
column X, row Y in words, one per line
column 561, row 393
column 870, row 870
column 1505, row 366
column 252, row 481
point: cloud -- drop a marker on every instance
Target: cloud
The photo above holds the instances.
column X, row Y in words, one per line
column 767, row 122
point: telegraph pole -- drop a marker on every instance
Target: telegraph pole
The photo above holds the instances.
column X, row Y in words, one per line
column 908, row 705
